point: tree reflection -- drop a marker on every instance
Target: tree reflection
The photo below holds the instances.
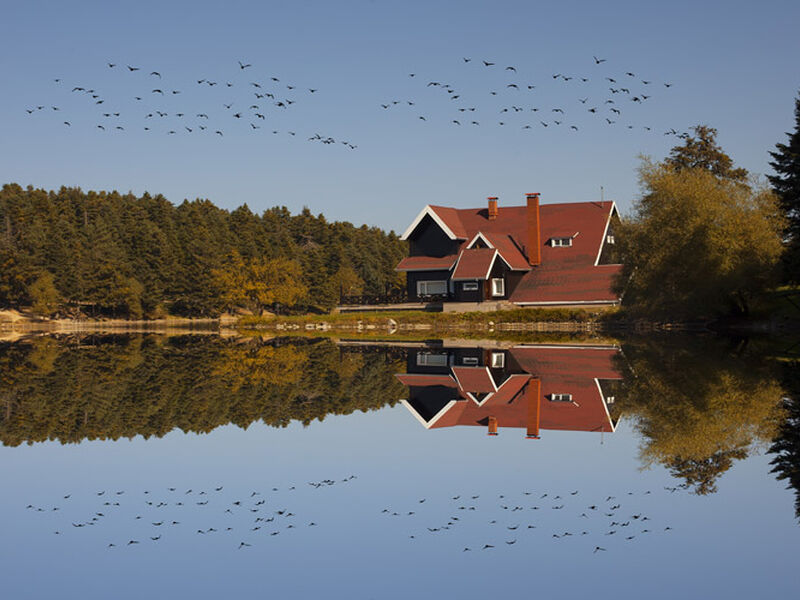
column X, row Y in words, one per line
column 786, row 463
column 108, row 387
column 700, row 404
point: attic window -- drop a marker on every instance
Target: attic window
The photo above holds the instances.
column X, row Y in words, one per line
column 609, row 239
column 560, row 241
column 560, row 397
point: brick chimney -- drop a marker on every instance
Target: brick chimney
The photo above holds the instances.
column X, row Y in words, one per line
column 492, row 425
column 534, row 240
column 492, row 208
column 533, row 395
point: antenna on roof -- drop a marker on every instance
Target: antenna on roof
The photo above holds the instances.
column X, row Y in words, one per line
column 602, row 194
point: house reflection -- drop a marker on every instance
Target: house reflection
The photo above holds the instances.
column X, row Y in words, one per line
column 571, row 388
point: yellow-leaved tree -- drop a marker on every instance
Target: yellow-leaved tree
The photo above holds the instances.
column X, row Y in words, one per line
column 259, row 283
column 702, row 241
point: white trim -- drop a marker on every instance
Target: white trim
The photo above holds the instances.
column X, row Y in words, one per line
column 493, row 283
column 489, row 395
column 435, row 417
column 502, row 360
column 481, row 236
column 491, row 265
column 429, row 211
column 605, row 232
column 605, row 406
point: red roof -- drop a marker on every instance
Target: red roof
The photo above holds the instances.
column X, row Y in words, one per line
column 550, row 284
column 566, row 274
column 508, row 250
column 561, row 370
column 474, row 263
column 427, row 263
column 477, row 380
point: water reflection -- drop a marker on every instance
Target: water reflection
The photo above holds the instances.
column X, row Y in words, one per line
column 698, row 404
column 108, row 387
column 574, row 388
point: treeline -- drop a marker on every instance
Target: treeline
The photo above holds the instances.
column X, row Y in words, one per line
column 98, row 253
column 113, row 387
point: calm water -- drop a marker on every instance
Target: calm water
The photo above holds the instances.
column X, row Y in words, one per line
column 294, row 468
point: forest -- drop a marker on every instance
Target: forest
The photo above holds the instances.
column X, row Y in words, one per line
column 105, row 254
column 72, row 389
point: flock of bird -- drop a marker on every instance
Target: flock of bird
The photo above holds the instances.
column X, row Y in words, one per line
column 159, row 514
column 512, row 519
column 245, row 520
column 252, row 103
column 518, row 103
column 243, row 100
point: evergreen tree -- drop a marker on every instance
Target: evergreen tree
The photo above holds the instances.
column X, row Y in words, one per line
column 701, row 151
column 786, row 182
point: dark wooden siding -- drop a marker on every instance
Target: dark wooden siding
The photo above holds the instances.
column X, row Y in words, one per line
column 428, row 239
column 462, row 295
column 610, row 253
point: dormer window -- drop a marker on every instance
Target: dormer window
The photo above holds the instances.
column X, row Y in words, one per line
column 560, row 242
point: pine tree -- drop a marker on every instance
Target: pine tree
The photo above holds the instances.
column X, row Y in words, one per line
column 786, row 182
column 701, row 151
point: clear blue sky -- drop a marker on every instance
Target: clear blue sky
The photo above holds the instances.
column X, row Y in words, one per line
column 733, row 65
column 732, row 544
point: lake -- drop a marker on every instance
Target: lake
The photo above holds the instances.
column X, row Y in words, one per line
column 204, row 466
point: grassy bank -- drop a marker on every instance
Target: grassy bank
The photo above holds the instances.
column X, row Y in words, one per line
column 434, row 319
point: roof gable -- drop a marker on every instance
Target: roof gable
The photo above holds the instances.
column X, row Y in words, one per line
column 446, row 227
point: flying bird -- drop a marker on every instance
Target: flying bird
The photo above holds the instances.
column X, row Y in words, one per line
column 597, row 61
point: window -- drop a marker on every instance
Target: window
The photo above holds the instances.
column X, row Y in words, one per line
column 431, row 288
column 498, row 360
column 498, row 287
column 561, row 241
column 609, row 239
column 470, row 286
column 427, row 359
column 561, row 397
column 469, row 360
column 610, row 400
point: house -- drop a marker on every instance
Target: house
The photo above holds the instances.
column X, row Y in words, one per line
column 532, row 255
column 568, row 388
